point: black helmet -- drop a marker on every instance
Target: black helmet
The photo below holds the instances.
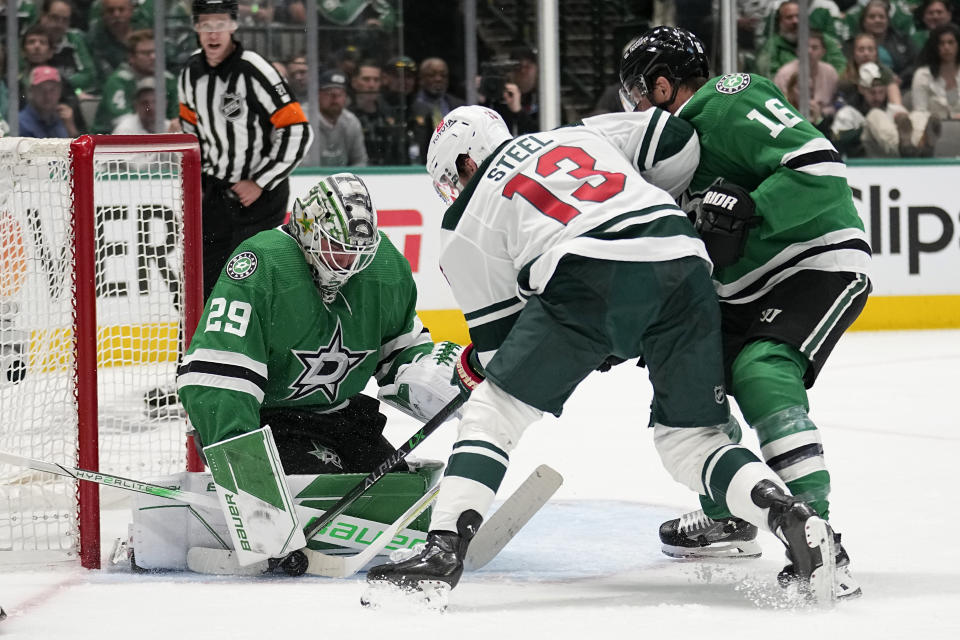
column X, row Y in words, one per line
column 671, row 52
column 214, row 6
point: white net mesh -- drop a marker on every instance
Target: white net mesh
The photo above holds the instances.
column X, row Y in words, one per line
column 139, row 288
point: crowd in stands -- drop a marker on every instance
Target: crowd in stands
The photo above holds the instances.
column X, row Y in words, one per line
column 884, row 73
column 375, row 107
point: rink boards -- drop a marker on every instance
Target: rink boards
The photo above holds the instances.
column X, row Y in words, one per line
column 910, row 214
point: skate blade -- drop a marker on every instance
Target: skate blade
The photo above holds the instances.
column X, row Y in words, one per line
column 821, row 587
column 738, row 549
column 427, row 595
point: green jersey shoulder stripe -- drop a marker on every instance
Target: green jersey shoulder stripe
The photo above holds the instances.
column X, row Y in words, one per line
column 645, row 155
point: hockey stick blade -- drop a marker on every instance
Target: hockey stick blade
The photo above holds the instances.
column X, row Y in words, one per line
column 224, row 561
column 512, row 515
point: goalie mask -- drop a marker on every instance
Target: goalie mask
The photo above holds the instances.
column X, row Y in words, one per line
column 673, row 53
column 472, row 131
column 336, row 226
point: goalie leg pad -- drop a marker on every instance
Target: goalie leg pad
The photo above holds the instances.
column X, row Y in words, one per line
column 163, row 530
column 254, row 496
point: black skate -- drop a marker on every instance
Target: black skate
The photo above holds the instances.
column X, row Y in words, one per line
column 844, row 584
column 695, row 535
column 435, row 570
column 808, row 538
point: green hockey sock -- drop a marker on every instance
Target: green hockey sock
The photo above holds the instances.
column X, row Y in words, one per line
column 767, row 377
column 791, row 446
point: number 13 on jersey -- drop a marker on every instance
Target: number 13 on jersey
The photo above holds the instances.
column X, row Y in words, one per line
column 546, row 201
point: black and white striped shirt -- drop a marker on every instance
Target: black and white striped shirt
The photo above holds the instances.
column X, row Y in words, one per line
column 249, row 125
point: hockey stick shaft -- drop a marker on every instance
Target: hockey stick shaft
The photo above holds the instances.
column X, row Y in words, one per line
column 342, row 566
column 188, row 497
column 383, row 468
column 109, row 480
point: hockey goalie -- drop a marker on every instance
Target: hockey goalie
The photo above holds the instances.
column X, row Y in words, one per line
column 299, row 321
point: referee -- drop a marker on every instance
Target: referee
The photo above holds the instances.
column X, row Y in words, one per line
column 252, row 135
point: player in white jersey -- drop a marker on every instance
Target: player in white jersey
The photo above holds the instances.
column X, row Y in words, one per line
column 564, row 258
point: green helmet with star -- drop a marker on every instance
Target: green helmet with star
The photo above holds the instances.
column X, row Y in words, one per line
column 336, row 226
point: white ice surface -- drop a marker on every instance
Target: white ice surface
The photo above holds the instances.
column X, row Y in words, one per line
column 589, row 565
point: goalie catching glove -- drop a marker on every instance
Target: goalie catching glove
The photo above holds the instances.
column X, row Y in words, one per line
column 468, row 372
column 724, row 218
column 422, row 388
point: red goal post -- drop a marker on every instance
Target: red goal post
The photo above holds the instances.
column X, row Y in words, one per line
column 100, row 289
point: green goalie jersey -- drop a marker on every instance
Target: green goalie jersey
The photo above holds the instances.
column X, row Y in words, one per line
column 266, row 338
column 751, row 136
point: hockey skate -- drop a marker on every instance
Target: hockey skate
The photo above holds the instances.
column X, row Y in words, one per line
column 431, row 573
column 808, row 538
column 695, row 535
column 844, row 584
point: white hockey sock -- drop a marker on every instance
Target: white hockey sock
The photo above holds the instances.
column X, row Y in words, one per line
column 741, row 485
column 456, row 496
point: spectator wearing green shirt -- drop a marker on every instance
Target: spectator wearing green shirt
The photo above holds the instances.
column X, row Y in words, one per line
column 71, row 54
column 781, row 47
column 108, row 37
column 119, row 88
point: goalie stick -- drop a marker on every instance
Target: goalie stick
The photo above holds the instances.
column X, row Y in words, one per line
column 383, row 468
column 110, row 480
column 492, row 537
column 188, row 497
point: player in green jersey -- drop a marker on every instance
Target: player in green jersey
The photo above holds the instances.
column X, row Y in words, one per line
column 790, row 264
column 561, row 256
column 299, row 321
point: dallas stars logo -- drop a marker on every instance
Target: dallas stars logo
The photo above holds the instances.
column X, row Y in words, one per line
column 326, row 368
column 242, row 265
column 733, row 83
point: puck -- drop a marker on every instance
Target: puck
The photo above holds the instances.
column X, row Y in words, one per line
column 295, row 564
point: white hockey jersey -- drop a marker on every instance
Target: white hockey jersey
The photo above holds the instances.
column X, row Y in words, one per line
column 573, row 190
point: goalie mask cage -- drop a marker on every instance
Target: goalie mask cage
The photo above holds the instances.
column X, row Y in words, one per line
column 100, row 288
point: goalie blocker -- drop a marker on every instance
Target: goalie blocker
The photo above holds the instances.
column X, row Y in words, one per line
column 163, row 531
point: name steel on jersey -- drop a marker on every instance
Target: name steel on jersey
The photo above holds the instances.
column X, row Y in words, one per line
column 521, row 149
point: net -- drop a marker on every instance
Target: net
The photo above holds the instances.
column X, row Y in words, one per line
column 56, row 365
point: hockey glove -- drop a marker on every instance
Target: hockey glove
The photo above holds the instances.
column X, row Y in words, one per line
column 724, row 218
column 468, row 372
